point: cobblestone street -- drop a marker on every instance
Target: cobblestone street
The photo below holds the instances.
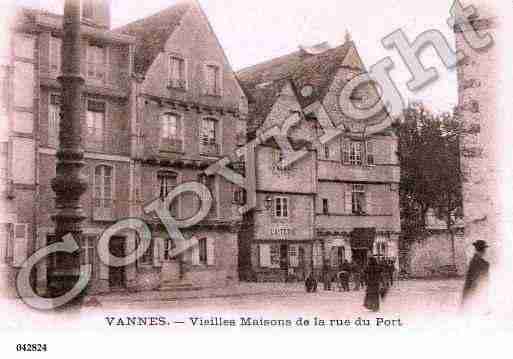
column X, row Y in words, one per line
column 435, row 298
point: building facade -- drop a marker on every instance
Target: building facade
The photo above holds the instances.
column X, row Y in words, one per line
column 340, row 201
column 143, row 135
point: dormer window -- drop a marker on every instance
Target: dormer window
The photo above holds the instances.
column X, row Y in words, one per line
column 177, row 73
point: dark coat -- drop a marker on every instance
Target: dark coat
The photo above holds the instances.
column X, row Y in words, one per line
column 373, row 280
column 477, row 275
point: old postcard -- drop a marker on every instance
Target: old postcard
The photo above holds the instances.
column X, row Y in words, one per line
column 294, row 168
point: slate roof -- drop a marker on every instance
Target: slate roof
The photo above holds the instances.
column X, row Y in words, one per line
column 262, row 83
column 152, row 33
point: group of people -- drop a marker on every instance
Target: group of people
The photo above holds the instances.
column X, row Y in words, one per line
column 377, row 276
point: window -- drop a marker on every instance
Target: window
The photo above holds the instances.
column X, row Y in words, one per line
column 370, row 153
column 208, row 131
column 88, row 252
column 202, row 245
column 95, row 121
column 96, row 63
column 169, row 133
column 326, row 149
column 281, row 207
column 103, row 191
column 358, row 199
column 167, row 182
column 4, row 160
column 325, row 207
column 88, row 9
column 4, row 90
column 55, row 54
column 275, row 256
column 168, row 126
column 147, row 257
column 239, row 195
column 177, row 75
column 24, row 46
column 209, row 182
column 208, row 137
column 54, row 119
column 213, row 80
column 355, row 157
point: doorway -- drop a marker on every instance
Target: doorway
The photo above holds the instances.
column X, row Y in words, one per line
column 117, row 274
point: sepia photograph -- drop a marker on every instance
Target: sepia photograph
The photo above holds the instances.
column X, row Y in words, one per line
column 199, row 166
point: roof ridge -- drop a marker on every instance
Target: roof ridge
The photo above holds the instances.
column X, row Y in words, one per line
column 155, row 15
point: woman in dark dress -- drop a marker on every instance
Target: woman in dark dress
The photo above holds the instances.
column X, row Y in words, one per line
column 373, row 281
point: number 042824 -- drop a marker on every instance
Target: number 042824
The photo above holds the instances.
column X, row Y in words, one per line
column 31, row 348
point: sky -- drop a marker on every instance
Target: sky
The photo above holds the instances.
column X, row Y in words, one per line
column 255, row 31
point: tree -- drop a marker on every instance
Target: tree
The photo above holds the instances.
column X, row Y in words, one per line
column 430, row 170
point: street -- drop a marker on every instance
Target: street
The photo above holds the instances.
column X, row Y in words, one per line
column 430, row 299
column 412, row 301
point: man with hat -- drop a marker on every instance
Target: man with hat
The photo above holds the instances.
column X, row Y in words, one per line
column 477, row 276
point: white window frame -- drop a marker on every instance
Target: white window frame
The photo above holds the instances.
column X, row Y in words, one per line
column 356, row 153
column 209, row 140
column 98, row 139
column 203, row 178
column 102, row 197
column 56, row 67
column 357, row 190
column 217, row 89
column 88, row 252
column 54, row 119
column 95, row 67
column 284, row 204
column 161, row 175
column 205, row 142
column 177, row 79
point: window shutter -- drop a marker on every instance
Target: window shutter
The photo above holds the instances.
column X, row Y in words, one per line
column 293, row 255
column 368, row 201
column 265, row 255
column 369, row 150
column 346, row 151
column 348, row 199
column 210, row 251
column 195, row 255
column 130, row 248
column 158, row 248
column 20, row 244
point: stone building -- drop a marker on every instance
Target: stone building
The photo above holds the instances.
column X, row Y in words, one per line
column 340, row 201
column 190, row 114
column 160, row 104
column 477, row 109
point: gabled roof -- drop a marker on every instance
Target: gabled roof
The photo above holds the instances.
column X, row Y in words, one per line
column 261, row 102
column 152, row 33
column 262, row 83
